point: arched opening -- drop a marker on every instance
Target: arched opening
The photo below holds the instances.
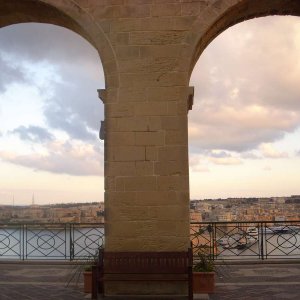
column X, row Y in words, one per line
column 244, row 125
column 231, row 14
column 67, row 16
column 13, row 12
column 203, row 33
column 35, row 139
column 249, row 116
column 50, row 117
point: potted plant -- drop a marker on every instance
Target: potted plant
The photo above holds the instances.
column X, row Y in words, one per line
column 87, row 279
column 87, row 271
column 203, row 274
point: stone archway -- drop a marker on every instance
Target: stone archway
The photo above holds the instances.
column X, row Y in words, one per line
column 223, row 14
column 65, row 14
column 69, row 15
column 148, row 50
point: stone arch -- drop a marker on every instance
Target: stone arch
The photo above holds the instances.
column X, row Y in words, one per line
column 66, row 14
column 221, row 15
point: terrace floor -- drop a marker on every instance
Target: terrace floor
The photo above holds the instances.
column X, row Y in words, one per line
column 248, row 281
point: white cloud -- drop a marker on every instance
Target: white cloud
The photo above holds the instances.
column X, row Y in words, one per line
column 8, row 73
column 251, row 155
column 49, row 90
column 267, row 168
column 198, row 164
column 203, row 162
column 268, row 151
column 21, row 105
column 33, row 134
column 65, row 70
column 200, row 169
column 226, row 161
column 247, row 86
column 60, row 157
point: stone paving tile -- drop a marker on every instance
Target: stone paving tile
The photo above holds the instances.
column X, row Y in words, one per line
column 33, row 292
column 40, row 282
column 261, row 282
column 245, row 282
column 256, row 293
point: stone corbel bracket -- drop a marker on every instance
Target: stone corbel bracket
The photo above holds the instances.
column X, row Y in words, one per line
column 102, row 97
column 190, row 100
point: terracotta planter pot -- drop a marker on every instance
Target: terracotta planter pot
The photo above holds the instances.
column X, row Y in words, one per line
column 87, row 277
column 203, row 282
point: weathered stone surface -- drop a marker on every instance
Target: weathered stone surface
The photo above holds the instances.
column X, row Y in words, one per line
column 150, row 138
column 148, row 49
column 129, row 153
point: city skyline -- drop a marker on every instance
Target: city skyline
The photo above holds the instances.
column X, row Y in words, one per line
column 50, row 114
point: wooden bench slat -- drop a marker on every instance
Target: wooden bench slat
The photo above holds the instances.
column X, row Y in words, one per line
column 145, row 277
column 143, row 266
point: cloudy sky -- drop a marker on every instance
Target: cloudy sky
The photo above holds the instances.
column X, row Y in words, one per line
column 49, row 116
column 244, row 128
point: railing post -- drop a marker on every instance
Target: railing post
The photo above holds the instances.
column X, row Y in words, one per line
column 213, row 238
column 23, row 241
column 66, row 226
column 71, row 242
column 263, row 235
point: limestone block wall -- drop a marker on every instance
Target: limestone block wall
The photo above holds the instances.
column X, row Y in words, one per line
column 148, row 49
column 156, row 44
column 146, row 163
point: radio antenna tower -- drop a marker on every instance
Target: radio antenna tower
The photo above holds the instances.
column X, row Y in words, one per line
column 32, row 199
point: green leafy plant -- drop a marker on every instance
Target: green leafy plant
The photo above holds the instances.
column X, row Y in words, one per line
column 203, row 263
column 88, row 268
column 91, row 260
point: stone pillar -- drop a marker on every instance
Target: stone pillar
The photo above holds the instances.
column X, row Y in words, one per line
column 146, row 139
column 146, row 167
column 146, row 173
